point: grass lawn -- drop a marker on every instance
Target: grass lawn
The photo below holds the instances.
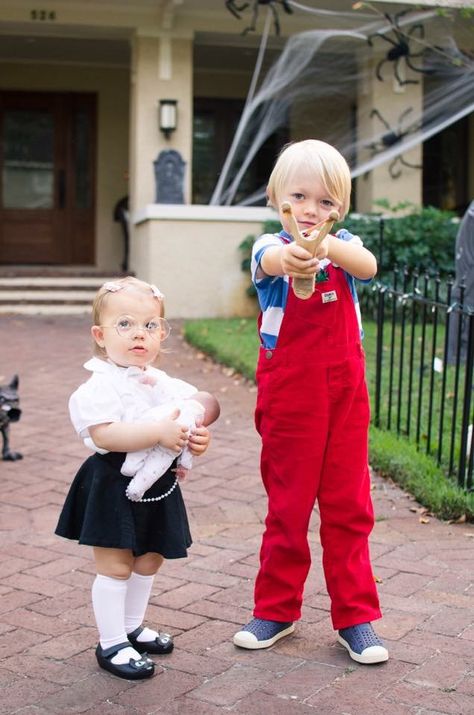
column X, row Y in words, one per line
column 234, row 342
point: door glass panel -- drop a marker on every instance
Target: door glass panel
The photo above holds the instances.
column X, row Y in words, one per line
column 82, row 160
column 28, row 166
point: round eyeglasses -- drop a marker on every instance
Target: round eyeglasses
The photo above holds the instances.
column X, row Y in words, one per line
column 127, row 327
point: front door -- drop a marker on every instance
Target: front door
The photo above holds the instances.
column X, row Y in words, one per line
column 47, row 177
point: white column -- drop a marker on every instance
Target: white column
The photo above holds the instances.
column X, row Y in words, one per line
column 162, row 68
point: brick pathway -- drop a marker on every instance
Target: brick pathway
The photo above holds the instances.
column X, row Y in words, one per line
column 47, row 633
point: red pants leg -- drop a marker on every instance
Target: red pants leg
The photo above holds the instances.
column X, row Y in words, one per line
column 345, row 503
column 290, row 466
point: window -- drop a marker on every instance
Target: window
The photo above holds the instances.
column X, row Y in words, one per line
column 445, row 168
column 215, row 122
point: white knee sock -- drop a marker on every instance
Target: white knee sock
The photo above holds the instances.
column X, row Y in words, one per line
column 136, row 601
column 108, row 601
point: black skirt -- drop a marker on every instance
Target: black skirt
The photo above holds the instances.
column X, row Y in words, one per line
column 98, row 513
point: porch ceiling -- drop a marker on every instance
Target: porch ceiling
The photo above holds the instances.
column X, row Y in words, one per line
column 98, row 31
column 103, row 51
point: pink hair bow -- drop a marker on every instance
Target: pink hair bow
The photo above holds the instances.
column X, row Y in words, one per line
column 156, row 292
column 112, row 287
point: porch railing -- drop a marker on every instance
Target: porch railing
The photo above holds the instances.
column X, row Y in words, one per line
column 424, row 367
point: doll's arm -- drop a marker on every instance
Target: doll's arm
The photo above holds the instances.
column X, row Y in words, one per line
column 200, row 437
column 210, row 407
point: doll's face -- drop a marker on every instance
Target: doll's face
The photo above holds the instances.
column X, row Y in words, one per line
column 131, row 328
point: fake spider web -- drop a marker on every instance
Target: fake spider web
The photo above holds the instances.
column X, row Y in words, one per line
column 320, row 75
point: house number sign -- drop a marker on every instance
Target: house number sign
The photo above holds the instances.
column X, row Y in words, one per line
column 43, row 15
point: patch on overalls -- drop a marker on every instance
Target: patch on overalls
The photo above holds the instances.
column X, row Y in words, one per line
column 329, row 297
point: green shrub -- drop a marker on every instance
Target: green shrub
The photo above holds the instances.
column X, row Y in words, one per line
column 246, row 249
column 423, row 239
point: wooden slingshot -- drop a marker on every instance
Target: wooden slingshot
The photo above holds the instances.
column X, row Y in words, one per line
column 303, row 286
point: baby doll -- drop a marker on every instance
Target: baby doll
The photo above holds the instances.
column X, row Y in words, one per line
column 147, row 466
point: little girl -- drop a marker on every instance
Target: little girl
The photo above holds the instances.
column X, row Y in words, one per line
column 129, row 539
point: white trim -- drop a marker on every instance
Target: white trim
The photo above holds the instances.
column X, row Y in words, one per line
column 166, row 65
column 194, row 212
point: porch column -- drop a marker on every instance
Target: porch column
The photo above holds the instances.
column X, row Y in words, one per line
column 162, row 68
column 391, row 99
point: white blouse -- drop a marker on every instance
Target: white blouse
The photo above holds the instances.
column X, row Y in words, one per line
column 121, row 394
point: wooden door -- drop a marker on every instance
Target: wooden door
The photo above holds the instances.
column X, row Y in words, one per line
column 47, row 178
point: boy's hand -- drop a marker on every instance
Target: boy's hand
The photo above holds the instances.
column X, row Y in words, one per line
column 323, row 249
column 171, row 434
column 297, row 262
column 199, row 441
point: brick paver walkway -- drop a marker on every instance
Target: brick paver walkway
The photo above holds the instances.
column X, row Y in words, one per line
column 47, row 632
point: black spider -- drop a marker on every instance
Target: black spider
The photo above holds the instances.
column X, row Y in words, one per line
column 391, row 138
column 392, row 170
column 236, row 10
column 400, row 48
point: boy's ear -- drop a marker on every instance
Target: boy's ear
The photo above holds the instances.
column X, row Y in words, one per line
column 270, row 199
column 98, row 335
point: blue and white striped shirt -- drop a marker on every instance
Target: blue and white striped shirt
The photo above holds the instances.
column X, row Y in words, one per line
column 272, row 291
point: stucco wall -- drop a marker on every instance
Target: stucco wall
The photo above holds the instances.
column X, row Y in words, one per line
column 112, row 88
column 192, row 254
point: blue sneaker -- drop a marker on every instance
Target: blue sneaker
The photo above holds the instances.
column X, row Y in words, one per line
column 262, row 634
column 363, row 644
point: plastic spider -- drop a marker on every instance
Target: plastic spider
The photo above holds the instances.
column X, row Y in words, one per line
column 396, row 173
column 236, row 10
column 391, row 138
column 400, row 48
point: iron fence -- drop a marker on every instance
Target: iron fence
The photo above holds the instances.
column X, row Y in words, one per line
column 424, row 367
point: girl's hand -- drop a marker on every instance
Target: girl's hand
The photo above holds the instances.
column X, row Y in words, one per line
column 199, row 441
column 297, row 262
column 171, row 434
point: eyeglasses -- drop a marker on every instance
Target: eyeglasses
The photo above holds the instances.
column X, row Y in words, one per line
column 127, row 327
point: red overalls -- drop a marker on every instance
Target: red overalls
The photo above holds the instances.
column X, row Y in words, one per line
column 313, row 415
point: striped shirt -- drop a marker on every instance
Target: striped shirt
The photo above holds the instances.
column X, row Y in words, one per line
column 272, row 291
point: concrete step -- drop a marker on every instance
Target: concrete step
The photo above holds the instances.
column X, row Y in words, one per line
column 42, row 309
column 47, row 296
column 51, row 295
column 48, row 271
column 51, row 284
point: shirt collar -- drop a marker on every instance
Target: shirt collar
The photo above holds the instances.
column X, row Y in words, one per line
column 107, row 367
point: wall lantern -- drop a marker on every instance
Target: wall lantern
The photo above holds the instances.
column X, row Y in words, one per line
column 168, row 116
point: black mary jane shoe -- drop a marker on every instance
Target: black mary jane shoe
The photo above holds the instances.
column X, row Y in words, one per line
column 133, row 670
column 161, row 645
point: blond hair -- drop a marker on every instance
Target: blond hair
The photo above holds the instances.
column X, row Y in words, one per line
column 317, row 158
column 109, row 288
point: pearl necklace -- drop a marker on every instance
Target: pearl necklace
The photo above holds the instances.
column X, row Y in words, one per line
column 162, row 496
